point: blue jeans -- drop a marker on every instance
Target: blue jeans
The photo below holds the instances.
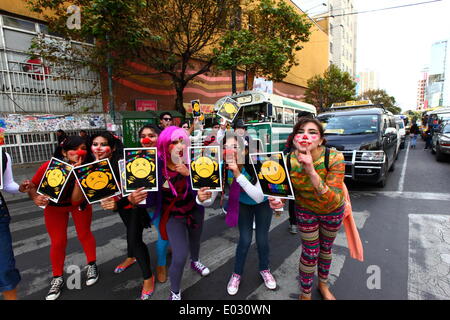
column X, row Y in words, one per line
column 262, row 214
column 9, row 275
column 413, row 140
column 161, row 245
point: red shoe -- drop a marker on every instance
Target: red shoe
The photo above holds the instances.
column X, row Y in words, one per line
column 120, row 268
column 146, row 295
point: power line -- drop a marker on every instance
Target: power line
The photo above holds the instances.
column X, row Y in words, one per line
column 381, row 9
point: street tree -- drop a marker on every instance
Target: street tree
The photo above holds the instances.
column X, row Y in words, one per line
column 332, row 87
column 174, row 37
column 263, row 40
column 380, row 96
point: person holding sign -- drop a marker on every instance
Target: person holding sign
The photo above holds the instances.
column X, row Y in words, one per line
column 182, row 218
column 106, row 146
column 56, row 215
column 319, row 202
column 9, row 275
column 246, row 204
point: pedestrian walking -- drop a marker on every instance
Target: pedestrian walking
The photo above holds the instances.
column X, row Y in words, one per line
column 246, row 205
column 414, row 132
column 428, row 138
column 181, row 216
column 319, row 202
column 9, row 274
column 56, row 216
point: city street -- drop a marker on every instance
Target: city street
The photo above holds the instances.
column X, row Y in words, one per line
column 405, row 230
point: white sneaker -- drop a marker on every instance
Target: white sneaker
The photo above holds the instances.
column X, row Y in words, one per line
column 55, row 288
column 175, row 296
column 268, row 278
column 233, row 284
column 200, row 268
column 92, row 274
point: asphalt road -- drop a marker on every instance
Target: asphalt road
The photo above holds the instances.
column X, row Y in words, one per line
column 405, row 229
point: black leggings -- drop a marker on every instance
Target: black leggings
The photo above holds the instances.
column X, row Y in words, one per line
column 292, row 217
column 135, row 246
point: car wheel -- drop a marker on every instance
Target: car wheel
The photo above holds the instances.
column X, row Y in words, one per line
column 439, row 155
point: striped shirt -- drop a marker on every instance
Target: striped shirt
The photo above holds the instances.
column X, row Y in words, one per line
column 306, row 196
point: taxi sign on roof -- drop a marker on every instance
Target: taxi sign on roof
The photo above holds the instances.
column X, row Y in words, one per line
column 352, row 103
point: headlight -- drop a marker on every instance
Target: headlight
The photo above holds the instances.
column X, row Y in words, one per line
column 372, row 156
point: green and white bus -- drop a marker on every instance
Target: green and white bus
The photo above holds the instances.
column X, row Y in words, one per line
column 269, row 117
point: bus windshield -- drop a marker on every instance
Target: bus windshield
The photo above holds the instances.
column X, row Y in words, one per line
column 349, row 125
column 255, row 113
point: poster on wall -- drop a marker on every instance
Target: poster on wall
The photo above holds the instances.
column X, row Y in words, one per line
column 55, row 179
column 272, row 174
column 97, row 180
column 229, row 109
column 204, row 167
column 141, row 169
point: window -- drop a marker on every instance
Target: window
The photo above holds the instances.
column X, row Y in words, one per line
column 288, row 116
column 278, row 114
column 19, row 23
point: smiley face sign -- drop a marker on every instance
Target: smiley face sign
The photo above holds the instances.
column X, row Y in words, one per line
column 54, row 179
column 272, row 174
column 204, row 167
column 141, row 169
column 97, row 180
column 229, row 109
column 196, row 110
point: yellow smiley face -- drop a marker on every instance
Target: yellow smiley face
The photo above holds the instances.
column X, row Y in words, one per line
column 273, row 172
column 229, row 108
column 204, row 166
column 196, row 107
column 97, row 180
column 55, row 177
column 140, row 167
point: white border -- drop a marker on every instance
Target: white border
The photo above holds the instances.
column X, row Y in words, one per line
column 112, row 172
column 62, row 188
column 220, row 171
column 122, row 182
column 226, row 100
column 156, row 172
column 285, row 167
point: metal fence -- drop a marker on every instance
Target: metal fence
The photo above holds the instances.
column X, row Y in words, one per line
column 35, row 146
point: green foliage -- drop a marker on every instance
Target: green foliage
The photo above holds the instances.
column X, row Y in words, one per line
column 266, row 41
column 380, row 96
column 333, row 87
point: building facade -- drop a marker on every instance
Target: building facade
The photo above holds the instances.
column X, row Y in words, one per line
column 438, row 84
column 421, row 90
column 367, row 80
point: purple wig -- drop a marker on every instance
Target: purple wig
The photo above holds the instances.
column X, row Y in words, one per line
column 167, row 136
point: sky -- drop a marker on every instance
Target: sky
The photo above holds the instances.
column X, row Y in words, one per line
column 395, row 43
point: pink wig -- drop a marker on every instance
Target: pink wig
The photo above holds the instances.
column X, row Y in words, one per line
column 167, row 136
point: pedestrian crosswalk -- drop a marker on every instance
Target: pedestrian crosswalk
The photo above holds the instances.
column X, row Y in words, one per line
column 217, row 252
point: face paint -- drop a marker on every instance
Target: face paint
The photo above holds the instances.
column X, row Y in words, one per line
column 81, row 152
column 145, row 140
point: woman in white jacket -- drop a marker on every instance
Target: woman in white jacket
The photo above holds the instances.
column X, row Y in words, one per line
column 246, row 204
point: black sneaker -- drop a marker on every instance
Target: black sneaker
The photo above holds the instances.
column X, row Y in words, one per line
column 92, row 274
column 55, row 288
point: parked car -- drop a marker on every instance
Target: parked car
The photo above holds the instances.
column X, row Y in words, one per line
column 440, row 143
column 367, row 136
column 402, row 131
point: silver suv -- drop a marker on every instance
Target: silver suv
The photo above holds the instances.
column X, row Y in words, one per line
column 440, row 144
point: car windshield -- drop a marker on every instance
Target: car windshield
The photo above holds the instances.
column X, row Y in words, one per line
column 349, row 125
column 446, row 128
column 255, row 113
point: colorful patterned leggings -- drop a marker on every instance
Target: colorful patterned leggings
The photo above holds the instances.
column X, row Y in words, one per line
column 318, row 232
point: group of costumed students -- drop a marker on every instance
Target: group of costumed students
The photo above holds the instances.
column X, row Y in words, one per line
column 177, row 211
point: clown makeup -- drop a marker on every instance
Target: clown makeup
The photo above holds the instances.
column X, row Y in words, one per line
column 75, row 155
column 308, row 137
column 148, row 138
column 177, row 151
column 100, row 148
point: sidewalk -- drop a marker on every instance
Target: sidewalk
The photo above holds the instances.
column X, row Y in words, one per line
column 21, row 172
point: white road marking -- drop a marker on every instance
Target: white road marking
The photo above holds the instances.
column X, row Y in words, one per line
column 428, row 257
column 401, row 182
column 404, row 195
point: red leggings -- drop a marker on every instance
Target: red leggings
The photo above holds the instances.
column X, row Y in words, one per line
column 56, row 220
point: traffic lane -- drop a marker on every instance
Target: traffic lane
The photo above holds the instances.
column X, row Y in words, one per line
column 424, row 173
column 386, row 242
